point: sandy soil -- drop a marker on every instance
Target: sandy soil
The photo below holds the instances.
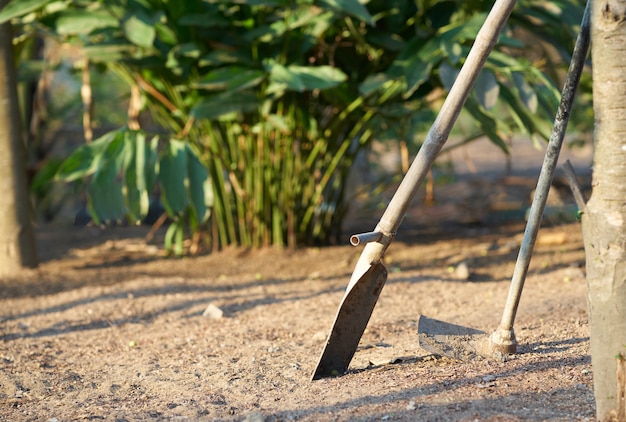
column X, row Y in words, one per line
column 108, row 329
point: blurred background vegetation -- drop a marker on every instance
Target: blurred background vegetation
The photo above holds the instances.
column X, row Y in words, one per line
column 240, row 121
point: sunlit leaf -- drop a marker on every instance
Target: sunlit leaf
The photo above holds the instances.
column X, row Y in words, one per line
column 73, row 22
column 84, row 160
column 278, row 122
column 174, row 238
column 351, row 7
column 135, row 186
column 304, row 78
column 17, row 8
column 165, row 33
column 198, row 175
column 139, row 29
column 231, row 78
column 152, row 161
column 319, row 77
column 303, row 15
column 103, row 53
column 172, row 176
column 281, row 75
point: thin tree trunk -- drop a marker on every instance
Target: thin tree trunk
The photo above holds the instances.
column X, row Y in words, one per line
column 604, row 222
column 17, row 243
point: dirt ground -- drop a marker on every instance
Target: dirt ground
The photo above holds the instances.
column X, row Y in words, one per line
column 108, row 329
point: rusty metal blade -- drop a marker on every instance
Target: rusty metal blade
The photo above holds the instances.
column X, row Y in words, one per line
column 451, row 340
column 350, row 323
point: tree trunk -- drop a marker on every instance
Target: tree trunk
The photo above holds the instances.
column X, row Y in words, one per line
column 604, row 221
column 17, row 243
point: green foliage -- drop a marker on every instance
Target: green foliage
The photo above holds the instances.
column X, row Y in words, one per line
column 269, row 102
column 121, row 169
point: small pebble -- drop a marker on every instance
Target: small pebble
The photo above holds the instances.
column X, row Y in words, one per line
column 411, row 405
column 319, row 336
column 462, row 272
column 213, row 312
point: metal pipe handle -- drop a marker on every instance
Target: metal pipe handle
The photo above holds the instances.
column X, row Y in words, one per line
column 357, row 239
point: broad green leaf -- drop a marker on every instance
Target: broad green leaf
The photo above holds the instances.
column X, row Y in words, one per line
column 453, row 51
column 372, row 84
column 266, row 33
column 387, row 88
column 278, row 122
column 105, row 189
column 447, row 75
column 352, row 8
column 166, row 33
column 487, row 89
column 152, row 161
column 178, row 240
column 174, row 238
column 45, row 176
column 417, row 73
column 219, row 58
column 198, row 175
column 82, row 22
column 526, row 120
column 103, row 53
column 181, row 51
column 526, row 94
column 487, row 123
column 230, row 78
column 461, row 31
column 304, row 78
column 302, row 15
column 135, row 186
column 106, row 200
column 85, row 159
column 319, row 77
column 416, row 62
column 172, row 175
column 222, row 104
column 139, row 29
column 17, row 8
column 282, row 76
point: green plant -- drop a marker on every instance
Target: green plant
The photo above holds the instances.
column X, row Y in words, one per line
column 275, row 99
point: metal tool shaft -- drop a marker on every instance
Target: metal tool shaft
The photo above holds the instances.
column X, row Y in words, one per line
column 504, row 335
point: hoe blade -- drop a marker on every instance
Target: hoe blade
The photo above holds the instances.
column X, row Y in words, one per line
column 352, row 318
column 451, row 340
